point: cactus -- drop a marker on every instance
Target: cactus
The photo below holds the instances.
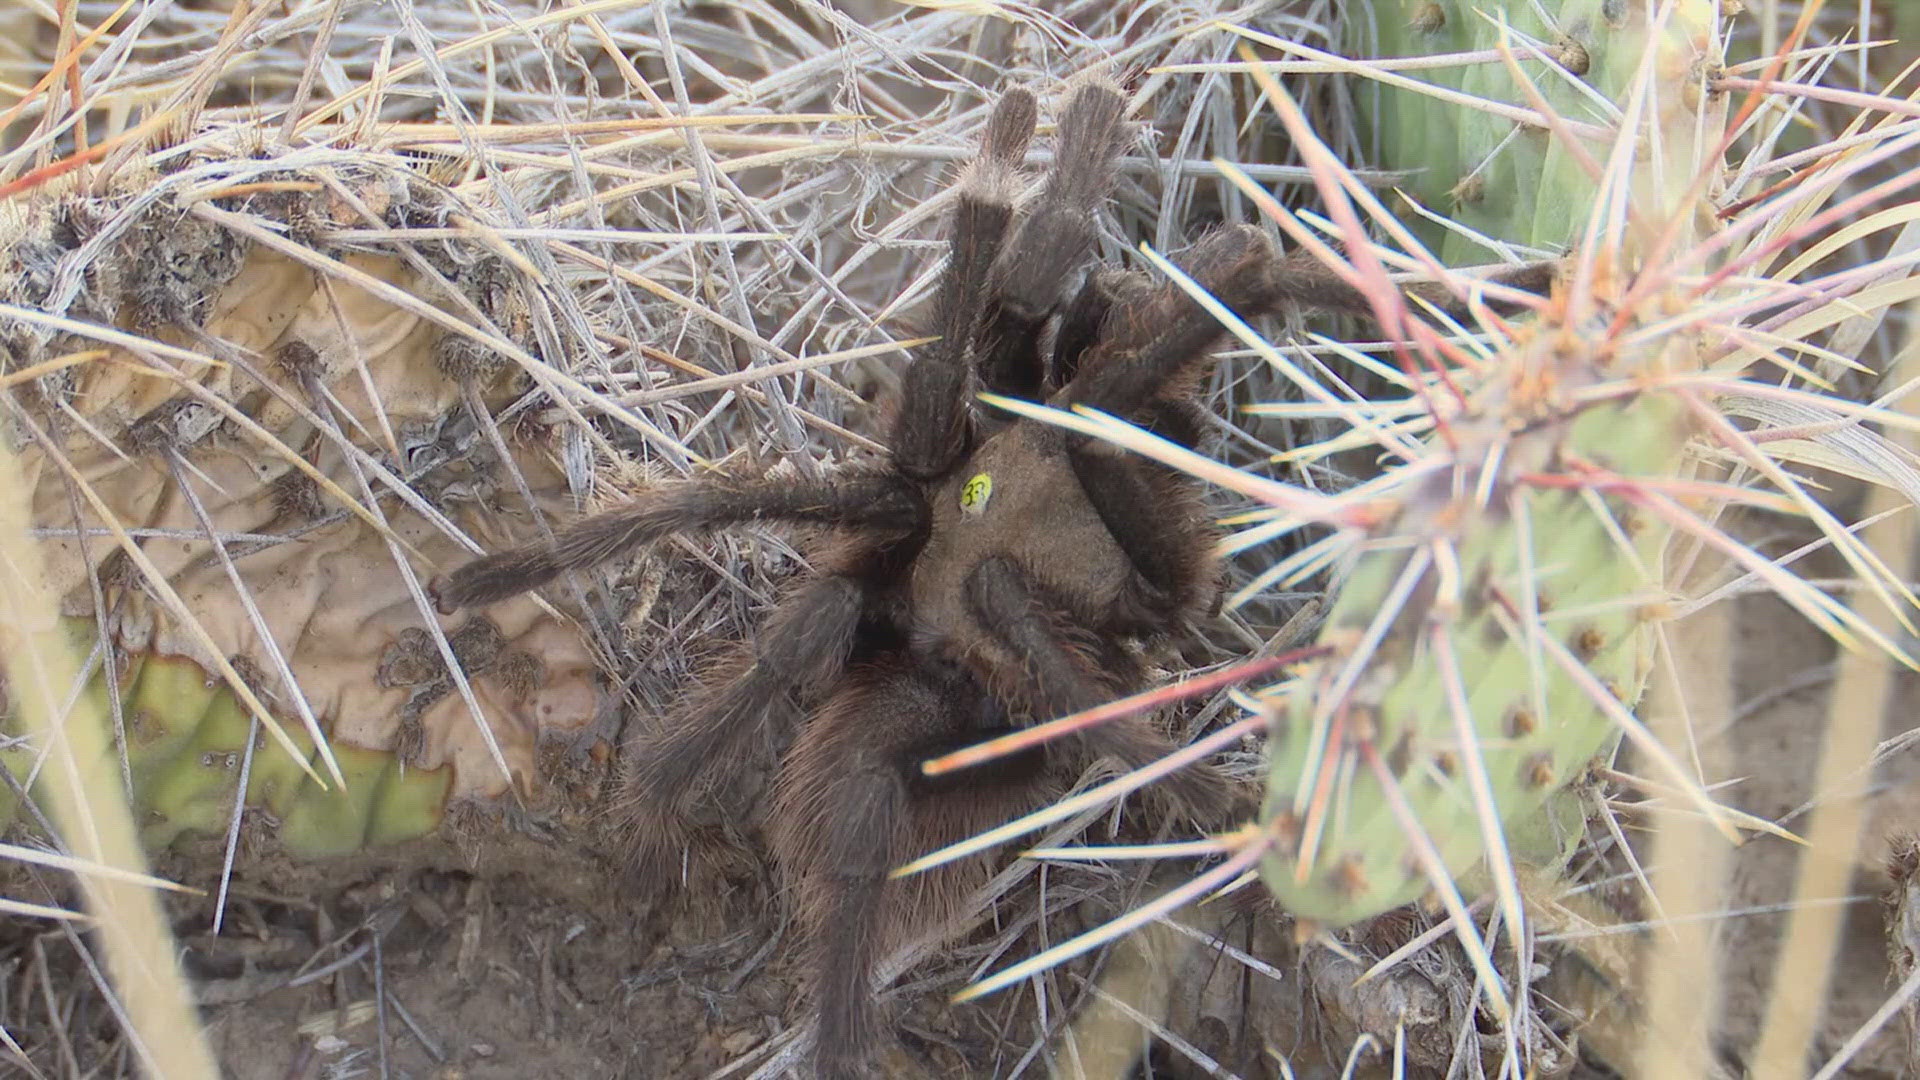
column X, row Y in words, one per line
column 187, row 749
column 373, row 739
column 1437, row 626
column 1513, row 182
column 1492, row 628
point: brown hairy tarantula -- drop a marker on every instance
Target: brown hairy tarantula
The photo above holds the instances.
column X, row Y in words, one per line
column 992, row 572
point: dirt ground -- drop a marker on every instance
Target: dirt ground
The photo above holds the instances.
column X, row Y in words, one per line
column 1784, row 674
column 528, row 960
column 520, row 951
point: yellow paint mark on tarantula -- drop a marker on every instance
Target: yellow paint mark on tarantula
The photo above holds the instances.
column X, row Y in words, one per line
column 974, row 496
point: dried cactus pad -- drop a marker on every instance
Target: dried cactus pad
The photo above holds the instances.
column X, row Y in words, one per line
column 257, row 362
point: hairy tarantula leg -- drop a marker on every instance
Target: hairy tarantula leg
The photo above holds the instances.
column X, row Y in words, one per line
column 1181, row 419
column 1161, row 545
column 861, row 501
column 1300, row 278
column 1155, row 345
column 1062, row 677
column 856, row 849
column 1085, row 314
column 850, row 806
column 803, row 646
column 1055, row 238
column 931, row 429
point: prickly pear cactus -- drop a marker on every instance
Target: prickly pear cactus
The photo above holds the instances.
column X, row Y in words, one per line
column 1511, row 181
column 1489, row 635
column 208, row 382
column 1452, row 674
column 187, row 750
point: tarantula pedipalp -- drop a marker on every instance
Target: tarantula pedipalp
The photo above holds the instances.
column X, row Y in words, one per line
column 991, row 572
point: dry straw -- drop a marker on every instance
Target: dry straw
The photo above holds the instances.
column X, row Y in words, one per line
column 694, row 255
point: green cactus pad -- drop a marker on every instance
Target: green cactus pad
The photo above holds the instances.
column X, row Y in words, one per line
column 1511, row 182
column 1511, row 527
column 1593, row 576
column 186, row 739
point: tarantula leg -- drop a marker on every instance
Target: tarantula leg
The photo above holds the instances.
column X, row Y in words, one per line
column 1155, row 345
column 1301, row 278
column 1055, row 238
column 1168, row 554
column 930, row 431
column 845, row 906
column 802, row 648
column 1061, row 675
column 1180, row 419
column 848, row 808
column 876, row 501
column 1085, row 314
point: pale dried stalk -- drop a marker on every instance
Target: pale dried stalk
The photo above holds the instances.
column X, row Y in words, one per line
column 87, row 802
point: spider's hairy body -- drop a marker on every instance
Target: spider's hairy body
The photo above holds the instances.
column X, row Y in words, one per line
column 1018, row 498
column 988, row 574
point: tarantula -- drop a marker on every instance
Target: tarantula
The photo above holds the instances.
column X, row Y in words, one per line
column 991, row 572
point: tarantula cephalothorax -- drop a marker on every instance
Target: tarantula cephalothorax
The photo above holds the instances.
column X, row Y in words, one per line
column 991, row 571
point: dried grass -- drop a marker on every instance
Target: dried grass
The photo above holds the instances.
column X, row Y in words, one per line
column 701, row 228
column 688, row 236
